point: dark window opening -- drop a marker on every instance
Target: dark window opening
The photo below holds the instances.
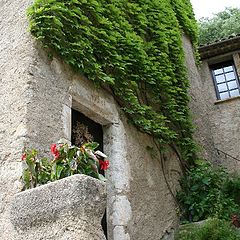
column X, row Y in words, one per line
column 225, row 80
column 83, row 130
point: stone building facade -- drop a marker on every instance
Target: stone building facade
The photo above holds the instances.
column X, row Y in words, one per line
column 38, row 96
column 218, row 87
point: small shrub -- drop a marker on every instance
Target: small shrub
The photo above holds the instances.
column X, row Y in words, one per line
column 204, row 194
column 212, row 229
column 67, row 160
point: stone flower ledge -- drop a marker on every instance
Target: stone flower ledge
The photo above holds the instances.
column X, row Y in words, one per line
column 68, row 209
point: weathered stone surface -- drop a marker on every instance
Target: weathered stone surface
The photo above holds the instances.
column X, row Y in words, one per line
column 169, row 235
column 71, row 208
column 199, row 105
column 224, row 116
column 15, row 54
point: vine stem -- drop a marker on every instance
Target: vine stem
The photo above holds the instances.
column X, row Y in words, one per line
column 160, row 159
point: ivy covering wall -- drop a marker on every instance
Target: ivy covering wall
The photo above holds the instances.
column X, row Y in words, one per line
column 134, row 48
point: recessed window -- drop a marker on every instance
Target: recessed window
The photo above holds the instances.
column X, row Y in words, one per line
column 225, row 80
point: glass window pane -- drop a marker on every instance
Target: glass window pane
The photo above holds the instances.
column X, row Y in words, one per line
column 218, row 71
column 232, row 85
column 228, row 69
column 220, row 78
column 234, row 93
column 222, row 87
column 230, row 76
column 224, row 95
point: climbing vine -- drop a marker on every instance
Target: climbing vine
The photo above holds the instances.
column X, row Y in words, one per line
column 133, row 47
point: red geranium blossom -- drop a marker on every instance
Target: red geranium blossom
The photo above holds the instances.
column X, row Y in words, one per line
column 24, row 156
column 104, row 164
column 55, row 151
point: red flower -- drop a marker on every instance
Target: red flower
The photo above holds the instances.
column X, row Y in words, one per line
column 57, row 154
column 53, row 148
column 104, row 164
column 55, row 151
column 24, row 156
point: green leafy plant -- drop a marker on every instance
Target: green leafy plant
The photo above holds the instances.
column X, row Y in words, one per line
column 133, row 47
column 211, row 229
column 226, row 21
column 68, row 160
column 204, row 194
column 232, row 188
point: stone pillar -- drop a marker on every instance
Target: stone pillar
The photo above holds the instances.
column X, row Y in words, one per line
column 119, row 212
column 68, row 209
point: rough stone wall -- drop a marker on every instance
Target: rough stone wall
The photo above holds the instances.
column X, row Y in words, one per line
column 199, row 105
column 37, row 94
column 140, row 204
column 224, row 116
column 15, row 54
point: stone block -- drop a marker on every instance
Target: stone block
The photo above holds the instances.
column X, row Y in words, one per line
column 68, row 209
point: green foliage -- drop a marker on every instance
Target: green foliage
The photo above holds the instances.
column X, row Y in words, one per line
column 232, row 188
column 185, row 15
column 68, row 160
column 227, row 20
column 212, row 229
column 135, row 47
column 205, row 194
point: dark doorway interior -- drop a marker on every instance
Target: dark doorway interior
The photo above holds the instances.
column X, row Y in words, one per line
column 84, row 129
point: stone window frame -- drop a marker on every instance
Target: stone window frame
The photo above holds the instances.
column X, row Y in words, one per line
column 100, row 107
column 220, row 67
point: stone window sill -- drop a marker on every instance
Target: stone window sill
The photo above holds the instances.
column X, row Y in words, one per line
column 227, row 100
